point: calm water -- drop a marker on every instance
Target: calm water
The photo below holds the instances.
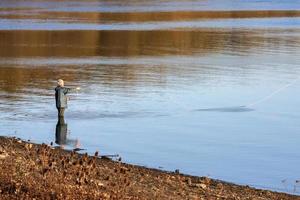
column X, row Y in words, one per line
column 206, row 87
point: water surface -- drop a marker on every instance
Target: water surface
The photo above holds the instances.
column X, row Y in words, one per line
column 166, row 84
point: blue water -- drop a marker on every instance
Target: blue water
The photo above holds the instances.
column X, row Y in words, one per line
column 148, row 6
column 262, row 23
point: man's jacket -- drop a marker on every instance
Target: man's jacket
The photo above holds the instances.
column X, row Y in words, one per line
column 61, row 96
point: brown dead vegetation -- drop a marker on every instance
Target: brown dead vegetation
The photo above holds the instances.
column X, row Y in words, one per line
column 32, row 171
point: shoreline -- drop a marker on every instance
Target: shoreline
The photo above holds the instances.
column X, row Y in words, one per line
column 41, row 171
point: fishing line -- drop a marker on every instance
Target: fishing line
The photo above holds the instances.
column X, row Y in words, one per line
column 269, row 96
column 248, row 106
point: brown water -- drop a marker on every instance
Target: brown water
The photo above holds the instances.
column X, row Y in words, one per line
column 202, row 86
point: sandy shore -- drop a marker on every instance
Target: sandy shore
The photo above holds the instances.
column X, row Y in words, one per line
column 32, row 171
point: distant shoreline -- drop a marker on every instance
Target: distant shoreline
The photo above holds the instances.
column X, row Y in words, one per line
column 43, row 172
column 143, row 16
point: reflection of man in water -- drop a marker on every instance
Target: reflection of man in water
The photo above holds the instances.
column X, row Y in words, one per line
column 61, row 131
column 61, row 98
column 61, row 135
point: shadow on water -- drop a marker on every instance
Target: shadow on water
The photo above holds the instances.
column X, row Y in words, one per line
column 226, row 109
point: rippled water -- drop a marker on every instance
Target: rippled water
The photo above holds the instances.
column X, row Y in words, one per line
column 206, row 87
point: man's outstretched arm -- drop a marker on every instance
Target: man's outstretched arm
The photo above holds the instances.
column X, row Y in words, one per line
column 67, row 90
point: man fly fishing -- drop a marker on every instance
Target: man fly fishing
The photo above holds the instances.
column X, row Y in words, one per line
column 61, row 98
